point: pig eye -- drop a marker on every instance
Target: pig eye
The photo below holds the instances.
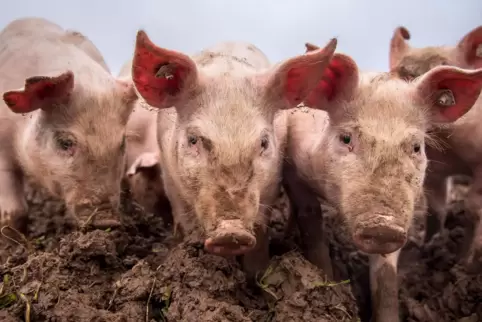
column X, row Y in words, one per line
column 416, row 148
column 192, row 139
column 65, row 144
column 345, row 138
column 264, row 142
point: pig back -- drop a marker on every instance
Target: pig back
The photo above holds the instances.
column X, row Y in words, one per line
column 230, row 57
column 78, row 39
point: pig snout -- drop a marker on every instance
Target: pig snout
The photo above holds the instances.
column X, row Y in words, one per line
column 230, row 237
column 380, row 236
column 99, row 213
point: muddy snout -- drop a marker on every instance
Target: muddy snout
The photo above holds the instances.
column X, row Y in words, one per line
column 379, row 236
column 99, row 216
column 230, row 237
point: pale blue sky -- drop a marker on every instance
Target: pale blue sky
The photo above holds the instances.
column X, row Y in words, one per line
column 278, row 27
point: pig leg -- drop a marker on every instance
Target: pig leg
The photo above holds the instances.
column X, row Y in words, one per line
column 436, row 194
column 12, row 198
column 472, row 243
column 306, row 212
column 384, row 286
column 257, row 260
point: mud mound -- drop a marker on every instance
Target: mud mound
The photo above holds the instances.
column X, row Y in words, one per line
column 435, row 287
column 139, row 273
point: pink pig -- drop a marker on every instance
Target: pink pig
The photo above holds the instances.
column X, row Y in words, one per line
column 363, row 151
column 458, row 147
column 222, row 144
column 63, row 122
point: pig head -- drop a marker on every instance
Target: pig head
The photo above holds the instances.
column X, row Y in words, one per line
column 66, row 124
column 222, row 153
column 409, row 62
column 371, row 158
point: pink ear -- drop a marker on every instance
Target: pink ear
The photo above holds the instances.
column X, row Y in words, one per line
column 462, row 85
column 310, row 47
column 471, row 48
column 161, row 75
column 127, row 89
column 40, row 92
column 398, row 46
column 297, row 77
column 339, row 80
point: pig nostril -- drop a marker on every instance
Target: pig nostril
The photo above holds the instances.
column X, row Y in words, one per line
column 230, row 238
column 380, row 239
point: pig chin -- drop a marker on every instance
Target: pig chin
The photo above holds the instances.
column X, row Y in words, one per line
column 378, row 233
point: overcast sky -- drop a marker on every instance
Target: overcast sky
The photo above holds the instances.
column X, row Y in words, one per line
column 278, row 27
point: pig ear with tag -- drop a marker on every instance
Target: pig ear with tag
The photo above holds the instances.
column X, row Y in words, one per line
column 470, row 48
column 398, row 46
column 40, row 92
column 295, row 78
column 450, row 92
column 339, row 81
column 161, row 76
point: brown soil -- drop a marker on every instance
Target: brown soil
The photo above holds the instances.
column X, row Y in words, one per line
column 140, row 273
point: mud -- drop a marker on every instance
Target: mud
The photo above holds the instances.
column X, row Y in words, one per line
column 141, row 273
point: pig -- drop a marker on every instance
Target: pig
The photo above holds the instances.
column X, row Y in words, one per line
column 459, row 148
column 143, row 169
column 360, row 146
column 63, row 122
column 221, row 133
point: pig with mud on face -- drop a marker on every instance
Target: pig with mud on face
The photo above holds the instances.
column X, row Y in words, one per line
column 222, row 143
column 63, row 120
column 143, row 169
column 459, row 148
column 362, row 149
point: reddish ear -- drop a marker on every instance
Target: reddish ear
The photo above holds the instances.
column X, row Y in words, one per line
column 294, row 79
column 339, row 81
column 160, row 75
column 398, row 46
column 471, row 48
column 450, row 92
column 40, row 92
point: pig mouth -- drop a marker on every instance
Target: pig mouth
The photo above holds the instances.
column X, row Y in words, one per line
column 380, row 239
column 230, row 238
column 99, row 217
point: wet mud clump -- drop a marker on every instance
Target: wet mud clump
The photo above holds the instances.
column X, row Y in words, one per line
column 139, row 272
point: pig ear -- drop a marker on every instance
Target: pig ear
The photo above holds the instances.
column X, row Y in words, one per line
column 294, row 79
column 310, row 47
column 471, row 47
column 127, row 90
column 339, row 81
column 40, row 92
column 161, row 76
column 450, row 92
column 147, row 160
column 398, row 46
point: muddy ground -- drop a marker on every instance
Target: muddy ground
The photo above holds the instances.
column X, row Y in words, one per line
column 140, row 273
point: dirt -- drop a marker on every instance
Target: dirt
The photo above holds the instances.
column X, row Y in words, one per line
column 139, row 272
